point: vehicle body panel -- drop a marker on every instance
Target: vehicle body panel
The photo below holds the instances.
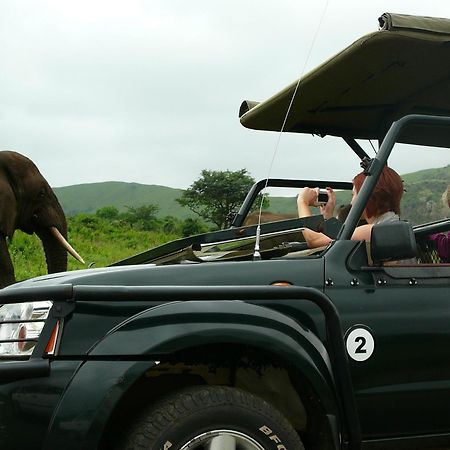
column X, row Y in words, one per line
column 404, row 387
column 243, row 273
column 26, row 406
column 170, row 328
column 88, row 401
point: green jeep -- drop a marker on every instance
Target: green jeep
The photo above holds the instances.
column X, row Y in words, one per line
column 205, row 343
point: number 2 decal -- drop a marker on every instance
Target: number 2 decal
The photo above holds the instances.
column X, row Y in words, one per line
column 360, row 348
column 359, row 342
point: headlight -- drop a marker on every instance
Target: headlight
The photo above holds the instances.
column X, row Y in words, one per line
column 20, row 327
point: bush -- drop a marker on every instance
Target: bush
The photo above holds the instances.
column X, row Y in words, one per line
column 191, row 227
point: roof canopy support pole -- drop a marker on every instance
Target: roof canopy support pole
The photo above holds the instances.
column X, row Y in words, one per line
column 356, row 148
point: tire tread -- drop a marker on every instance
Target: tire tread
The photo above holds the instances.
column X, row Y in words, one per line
column 168, row 411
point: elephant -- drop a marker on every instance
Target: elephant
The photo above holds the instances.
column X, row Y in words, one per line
column 28, row 203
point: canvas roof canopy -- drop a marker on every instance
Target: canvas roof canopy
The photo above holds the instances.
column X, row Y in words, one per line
column 404, row 68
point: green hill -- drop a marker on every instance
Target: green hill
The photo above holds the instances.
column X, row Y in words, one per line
column 88, row 198
column 421, row 202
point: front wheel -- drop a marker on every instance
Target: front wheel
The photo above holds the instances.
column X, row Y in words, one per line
column 212, row 418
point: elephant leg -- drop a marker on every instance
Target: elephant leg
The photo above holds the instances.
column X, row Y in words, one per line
column 6, row 267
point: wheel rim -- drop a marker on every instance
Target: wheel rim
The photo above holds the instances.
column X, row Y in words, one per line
column 222, row 440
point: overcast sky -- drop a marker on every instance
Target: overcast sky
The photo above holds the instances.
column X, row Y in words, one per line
column 149, row 91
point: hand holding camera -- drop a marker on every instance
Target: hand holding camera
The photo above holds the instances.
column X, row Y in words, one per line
column 325, row 199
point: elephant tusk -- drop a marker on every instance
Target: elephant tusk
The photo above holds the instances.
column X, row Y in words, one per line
column 65, row 244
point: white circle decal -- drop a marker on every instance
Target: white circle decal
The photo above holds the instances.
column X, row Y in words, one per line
column 360, row 343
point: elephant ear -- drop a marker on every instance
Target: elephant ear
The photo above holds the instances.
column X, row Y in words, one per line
column 8, row 207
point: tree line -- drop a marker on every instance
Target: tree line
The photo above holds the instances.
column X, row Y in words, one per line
column 213, row 197
column 144, row 218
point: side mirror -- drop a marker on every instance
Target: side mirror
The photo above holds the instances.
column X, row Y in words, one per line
column 392, row 241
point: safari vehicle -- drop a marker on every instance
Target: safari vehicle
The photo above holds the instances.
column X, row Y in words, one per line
column 205, row 343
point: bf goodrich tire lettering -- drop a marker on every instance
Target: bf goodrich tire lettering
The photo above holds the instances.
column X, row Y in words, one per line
column 212, row 418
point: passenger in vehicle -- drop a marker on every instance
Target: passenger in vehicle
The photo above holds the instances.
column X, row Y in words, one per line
column 442, row 240
column 343, row 211
column 383, row 206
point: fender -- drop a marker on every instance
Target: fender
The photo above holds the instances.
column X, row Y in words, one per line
column 85, row 407
column 163, row 330
column 176, row 326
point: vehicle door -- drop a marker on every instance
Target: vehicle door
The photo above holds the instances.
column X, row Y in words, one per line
column 396, row 321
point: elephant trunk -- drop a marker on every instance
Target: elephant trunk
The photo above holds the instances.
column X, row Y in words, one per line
column 55, row 248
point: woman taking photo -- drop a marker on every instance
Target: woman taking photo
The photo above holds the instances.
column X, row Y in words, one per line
column 383, row 206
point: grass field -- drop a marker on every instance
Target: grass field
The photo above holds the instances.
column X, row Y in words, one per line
column 99, row 243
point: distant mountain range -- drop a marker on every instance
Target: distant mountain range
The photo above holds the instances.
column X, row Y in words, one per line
column 421, row 201
column 88, row 198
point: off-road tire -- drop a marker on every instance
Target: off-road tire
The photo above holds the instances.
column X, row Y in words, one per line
column 181, row 420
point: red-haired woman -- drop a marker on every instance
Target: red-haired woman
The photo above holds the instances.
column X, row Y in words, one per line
column 383, row 206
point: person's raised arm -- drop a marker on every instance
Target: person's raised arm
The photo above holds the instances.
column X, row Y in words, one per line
column 306, row 198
